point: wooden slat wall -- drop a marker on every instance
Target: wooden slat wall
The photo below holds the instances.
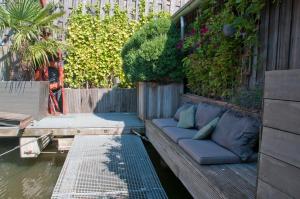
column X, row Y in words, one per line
column 279, row 165
column 29, row 98
column 101, row 100
column 158, row 101
column 279, row 36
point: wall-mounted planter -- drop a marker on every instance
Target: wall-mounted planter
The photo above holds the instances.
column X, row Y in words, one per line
column 26, row 97
column 158, row 100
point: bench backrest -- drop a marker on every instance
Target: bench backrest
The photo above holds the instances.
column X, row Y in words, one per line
column 198, row 99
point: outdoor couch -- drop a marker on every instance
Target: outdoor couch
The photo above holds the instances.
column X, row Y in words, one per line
column 220, row 166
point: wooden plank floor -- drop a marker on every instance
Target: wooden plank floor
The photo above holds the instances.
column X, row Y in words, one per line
column 108, row 166
column 85, row 123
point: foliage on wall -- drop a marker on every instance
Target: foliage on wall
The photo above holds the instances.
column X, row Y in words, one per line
column 94, row 57
column 151, row 54
column 218, row 45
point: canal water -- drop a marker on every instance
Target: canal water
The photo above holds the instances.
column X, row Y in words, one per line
column 36, row 178
column 28, row 178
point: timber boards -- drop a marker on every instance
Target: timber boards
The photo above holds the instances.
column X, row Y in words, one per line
column 26, row 97
column 12, row 123
column 279, row 164
column 15, row 119
column 230, row 181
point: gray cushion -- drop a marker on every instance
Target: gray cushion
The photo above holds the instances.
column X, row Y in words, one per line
column 206, row 131
column 237, row 133
column 176, row 133
column 206, row 113
column 208, row 152
column 181, row 108
column 187, row 118
column 164, row 122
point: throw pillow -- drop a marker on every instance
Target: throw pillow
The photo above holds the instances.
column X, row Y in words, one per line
column 187, row 118
column 237, row 133
column 205, row 131
column 183, row 107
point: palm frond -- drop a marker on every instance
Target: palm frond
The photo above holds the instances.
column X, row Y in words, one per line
column 28, row 21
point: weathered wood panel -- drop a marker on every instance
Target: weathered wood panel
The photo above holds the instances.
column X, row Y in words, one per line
column 279, row 36
column 283, row 115
column 158, row 100
column 204, row 181
column 287, row 89
column 284, row 177
column 266, row 191
column 101, row 100
column 287, row 145
column 24, row 97
column 295, row 37
column 279, row 165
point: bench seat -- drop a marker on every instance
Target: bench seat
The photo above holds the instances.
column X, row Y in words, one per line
column 168, row 122
column 222, row 181
column 177, row 134
column 208, row 152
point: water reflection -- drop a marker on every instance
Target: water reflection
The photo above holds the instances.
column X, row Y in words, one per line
column 28, row 178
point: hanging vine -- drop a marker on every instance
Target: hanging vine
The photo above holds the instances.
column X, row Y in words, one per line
column 219, row 44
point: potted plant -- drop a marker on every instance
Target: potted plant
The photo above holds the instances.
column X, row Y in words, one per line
column 151, row 59
column 30, row 27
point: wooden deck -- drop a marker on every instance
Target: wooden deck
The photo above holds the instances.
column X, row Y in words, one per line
column 108, row 166
column 227, row 181
column 85, row 123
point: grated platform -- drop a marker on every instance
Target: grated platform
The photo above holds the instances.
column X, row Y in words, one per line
column 108, row 166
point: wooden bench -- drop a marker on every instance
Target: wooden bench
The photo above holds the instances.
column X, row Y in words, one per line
column 227, row 181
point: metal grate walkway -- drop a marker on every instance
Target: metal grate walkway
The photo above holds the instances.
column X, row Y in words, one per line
column 108, row 166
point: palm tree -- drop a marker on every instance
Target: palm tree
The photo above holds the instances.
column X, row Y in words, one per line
column 30, row 26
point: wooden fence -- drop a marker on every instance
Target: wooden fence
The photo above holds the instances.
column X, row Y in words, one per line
column 279, row 35
column 101, row 100
column 130, row 6
column 279, row 164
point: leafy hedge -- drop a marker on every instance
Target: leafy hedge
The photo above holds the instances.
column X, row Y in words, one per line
column 151, row 53
column 94, row 58
column 216, row 64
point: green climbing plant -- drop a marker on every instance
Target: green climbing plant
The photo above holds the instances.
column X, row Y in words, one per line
column 94, row 57
column 219, row 44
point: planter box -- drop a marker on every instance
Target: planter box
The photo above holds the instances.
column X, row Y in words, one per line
column 158, row 100
column 26, row 97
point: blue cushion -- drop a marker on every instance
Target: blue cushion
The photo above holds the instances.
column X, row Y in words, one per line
column 237, row 133
column 208, row 152
column 165, row 122
column 176, row 133
column 187, row 118
column 181, row 108
column 206, row 113
column 205, row 131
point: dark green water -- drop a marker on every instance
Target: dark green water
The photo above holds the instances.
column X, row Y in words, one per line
column 28, row 178
column 36, row 178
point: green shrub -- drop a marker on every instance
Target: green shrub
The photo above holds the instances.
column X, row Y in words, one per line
column 151, row 53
